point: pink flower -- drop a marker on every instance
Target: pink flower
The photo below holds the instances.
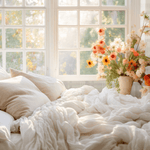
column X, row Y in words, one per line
column 101, row 32
column 136, row 53
column 113, row 56
column 125, row 61
column 118, row 49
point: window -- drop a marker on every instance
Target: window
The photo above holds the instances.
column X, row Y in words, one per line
column 22, row 35
column 77, row 24
column 54, row 37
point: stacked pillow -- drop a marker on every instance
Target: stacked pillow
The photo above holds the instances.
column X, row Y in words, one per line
column 20, row 97
column 23, row 93
column 51, row 87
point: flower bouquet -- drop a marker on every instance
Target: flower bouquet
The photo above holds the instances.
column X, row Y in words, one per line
column 120, row 58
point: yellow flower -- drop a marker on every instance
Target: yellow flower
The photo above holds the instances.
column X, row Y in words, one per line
column 90, row 63
column 106, row 60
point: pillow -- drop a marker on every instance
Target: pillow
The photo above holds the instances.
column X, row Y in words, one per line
column 3, row 74
column 5, row 124
column 20, row 97
column 51, row 87
column 6, row 119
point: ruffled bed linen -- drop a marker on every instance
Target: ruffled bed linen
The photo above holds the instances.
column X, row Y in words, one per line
column 84, row 119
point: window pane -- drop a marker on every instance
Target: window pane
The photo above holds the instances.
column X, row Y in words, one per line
column 14, row 60
column 35, row 2
column 67, row 2
column 67, row 63
column 0, row 2
column 89, row 17
column 114, row 2
column 0, row 17
column 113, row 17
column 87, row 37
column 67, row 18
column 67, row 38
column 0, row 38
column 35, row 17
column 85, row 55
column 89, row 2
column 1, row 59
column 35, row 38
column 13, row 17
column 35, row 62
column 112, row 33
column 13, row 38
column 13, row 2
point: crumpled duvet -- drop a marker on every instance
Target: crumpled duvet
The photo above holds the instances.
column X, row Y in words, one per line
column 84, row 119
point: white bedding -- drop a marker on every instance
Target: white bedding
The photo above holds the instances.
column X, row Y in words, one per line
column 84, row 119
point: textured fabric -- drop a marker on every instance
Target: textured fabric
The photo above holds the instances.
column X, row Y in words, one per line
column 84, row 119
column 51, row 87
column 20, row 97
column 6, row 120
column 3, row 74
column 5, row 124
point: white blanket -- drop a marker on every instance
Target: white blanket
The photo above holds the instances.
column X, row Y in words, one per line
column 84, row 119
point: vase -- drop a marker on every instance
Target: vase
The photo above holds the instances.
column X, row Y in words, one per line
column 125, row 84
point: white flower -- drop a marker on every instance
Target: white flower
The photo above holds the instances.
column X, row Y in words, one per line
column 129, row 41
column 120, row 71
column 117, row 41
column 142, row 69
column 93, row 57
column 112, row 45
column 100, row 68
column 142, row 45
column 138, row 73
column 141, row 61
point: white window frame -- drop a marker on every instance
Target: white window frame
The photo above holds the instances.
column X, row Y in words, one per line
column 24, row 50
column 51, row 21
column 100, row 8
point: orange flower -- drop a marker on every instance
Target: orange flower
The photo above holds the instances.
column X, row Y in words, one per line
column 101, row 43
column 147, row 79
column 106, row 60
column 90, row 63
column 136, row 53
column 132, row 65
column 100, row 49
column 113, row 56
column 101, row 32
column 94, row 48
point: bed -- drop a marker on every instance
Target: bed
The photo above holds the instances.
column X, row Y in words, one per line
column 85, row 119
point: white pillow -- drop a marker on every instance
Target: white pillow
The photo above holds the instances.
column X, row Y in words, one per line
column 51, row 87
column 3, row 74
column 5, row 124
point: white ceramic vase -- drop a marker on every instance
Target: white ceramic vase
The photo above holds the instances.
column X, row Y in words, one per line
column 125, row 84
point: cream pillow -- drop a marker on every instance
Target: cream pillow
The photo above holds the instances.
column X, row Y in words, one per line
column 3, row 74
column 20, row 97
column 51, row 87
